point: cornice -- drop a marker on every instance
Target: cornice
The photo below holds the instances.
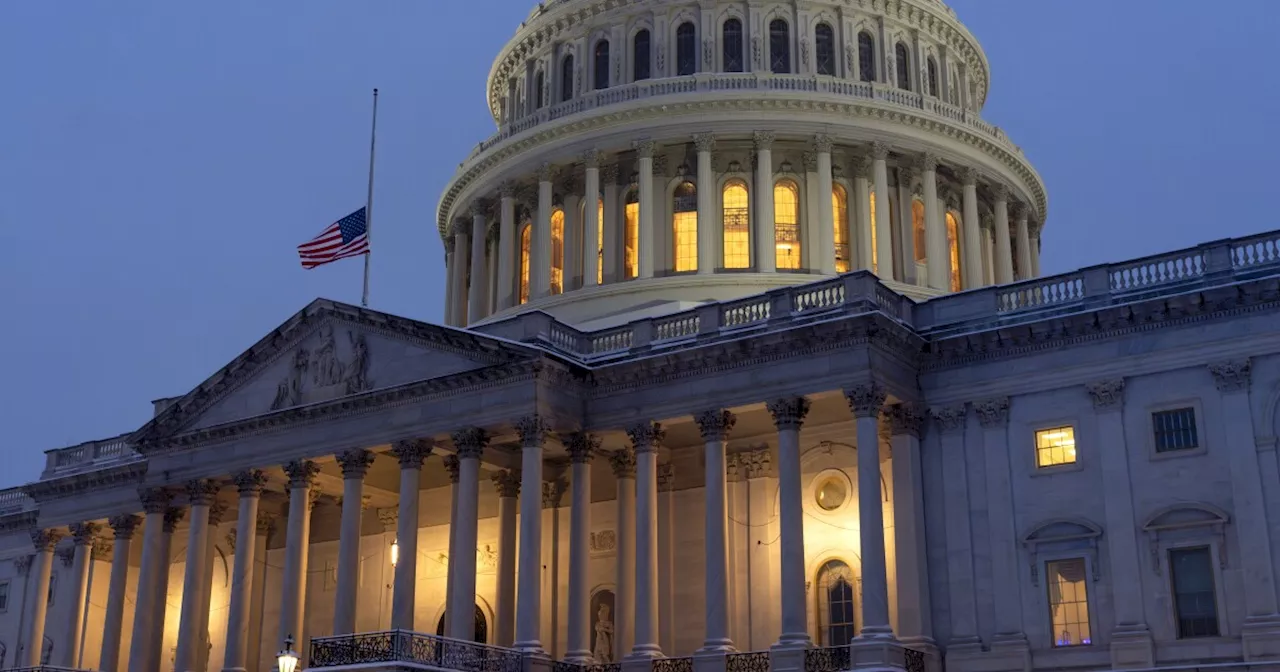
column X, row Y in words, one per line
column 13, row 522
column 68, row 486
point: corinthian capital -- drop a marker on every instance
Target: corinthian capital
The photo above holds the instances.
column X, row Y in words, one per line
column 763, row 140
column 470, row 442
column 123, row 526
column 879, row 150
column 250, row 482
column 715, row 424
column 411, row 452
column 646, row 436
column 201, row 491
column 993, row 412
column 532, row 430
column 949, row 418
column 623, row 462
column 1107, row 393
column 591, row 158
column 866, row 401
column 788, row 412
column 507, row 483
column 929, row 162
column 581, row 446
column 644, row 148
column 905, row 418
column 969, row 176
column 1232, row 376
column 84, row 534
column 301, row 473
column 822, row 143
column 355, row 462
column 704, row 142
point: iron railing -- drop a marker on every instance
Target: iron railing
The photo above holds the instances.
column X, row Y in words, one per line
column 403, row 646
column 672, row 665
column 564, row 666
column 755, row 661
column 913, row 660
column 827, row 659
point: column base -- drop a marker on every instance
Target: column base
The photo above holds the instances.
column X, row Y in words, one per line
column 644, row 652
column 713, row 660
column 536, row 661
column 1261, row 637
column 876, row 649
column 1132, row 647
column 793, row 640
column 1010, row 652
column 580, row 657
column 786, row 658
column 531, row 648
column 717, row 647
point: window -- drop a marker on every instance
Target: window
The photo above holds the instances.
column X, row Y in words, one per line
column 566, row 78
column 539, row 81
column 686, row 49
column 919, row 239
column 557, row 251
column 824, row 42
column 1068, row 602
column 832, row 491
column 866, row 57
column 526, row 239
column 875, row 259
column 640, row 61
column 932, row 66
column 953, row 242
column 684, row 225
column 731, row 35
column 1055, row 447
column 737, row 225
column 1194, row 599
column 1175, row 430
column 903, row 67
column 840, row 215
column 786, row 224
column 602, row 65
column 4, row 596
column 599, row 238
column 631, row 259
column 779, row 46
column 835, row 604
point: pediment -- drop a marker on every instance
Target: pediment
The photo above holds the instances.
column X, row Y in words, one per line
column 1062, row 530
column 1186, row 515
column 326, row 352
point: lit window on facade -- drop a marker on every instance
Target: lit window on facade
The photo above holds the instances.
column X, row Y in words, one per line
column 1068, row 602
column 557, row 251
column 835, row 604
column 919, row 239
column 1175, row 430
column 631, row 250
column 526, row 240
column 684, row 226
column 786, row 224
column 953, row 243
column 840, row 216
column 1055, row 447
column 737, row 229
column 1194, row 599
column 831, row 492
column 875, row 252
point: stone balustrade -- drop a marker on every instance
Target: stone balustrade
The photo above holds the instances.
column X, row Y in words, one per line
column 15, row 500
column 87, row 456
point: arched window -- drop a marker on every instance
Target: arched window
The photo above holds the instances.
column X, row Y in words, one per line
column 866, row 57
column 526, row 240
column 840, row 215
column 903, row 66
column 684, row 226
column 640, row 48
column 600, row 241
column 953, row 241
column 835, row 604
column 918, row 237
column 602, row 65
column 779, row 46
column 824, row 43
column 631, row 244
column 566, row 78
column 786, row 224
column 731, row 39
column 482, row 626
column 539, row 82
column 686, row 49
column 557, row 251
column 932, row 66
column 737, row 225
column 875, row 259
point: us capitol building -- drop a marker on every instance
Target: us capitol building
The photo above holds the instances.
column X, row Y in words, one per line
column 747, row 365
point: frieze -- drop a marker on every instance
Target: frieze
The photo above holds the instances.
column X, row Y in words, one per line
column 68, row 486
column 324, row 373
column 604, row 542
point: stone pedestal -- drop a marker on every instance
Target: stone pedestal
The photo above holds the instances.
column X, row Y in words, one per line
column 783, row 658
column 1260, row 637
column 711, row 661
column 876, row 653
column 1132, row 648
column 1009, row 653
column 630, row 664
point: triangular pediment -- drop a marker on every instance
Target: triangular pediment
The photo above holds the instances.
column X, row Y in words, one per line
column 328, row 351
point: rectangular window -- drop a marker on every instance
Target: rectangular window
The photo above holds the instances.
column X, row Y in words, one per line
column 686, row 230
column 1175, row 430
column 1055, row 447
column 1194, row 600
column 1068, row 602
column 631, row 252
column 4, row 598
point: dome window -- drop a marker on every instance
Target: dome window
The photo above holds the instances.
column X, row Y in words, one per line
column 779, row 46
column 566, row 78
column 932, row 67
column 640, row 51
column 601, row 65
column 731, row 39
column 866, row 57
column 824, row 41
column 903, row 67
column 686, row 49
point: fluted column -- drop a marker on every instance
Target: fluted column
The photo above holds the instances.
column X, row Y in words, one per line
column 993, row 414
column 83, row 535
column 508, row 485
column 453, row 466
column 826, row 212
column 915, row 623
column 44, row 542
column 508, row 247
column 410, row 453
column 1004, row 258
column 666, row 583
column 582, row 447
column 122, row 527
column 972, row 270
column 866, row 402
column 540, row 266
column 201, row 494
column 645, row 439
column 302, row 476
column 644, row 244
column 949, row 422
column 863, row 226
column 449, row 263
column 788, row 415
column 591, row 219
column 715, row 426
column 470, row 443
column 1023, row 236
column 159, row 607
column 458, row 272
column 935, row 228
column 355, row 464
column 478, row 293
column 153, row 568
column 764, row 236
column 623, row 463
column 203, row 644
column 708, row 192
column 884, row 226
column 265, row 525
column 532, row 430
column 249, row 484
column 1036, row 229
column 612, row 224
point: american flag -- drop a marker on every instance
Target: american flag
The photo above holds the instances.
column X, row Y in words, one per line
column 347, row 237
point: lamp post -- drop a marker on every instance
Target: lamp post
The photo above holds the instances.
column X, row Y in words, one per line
column 287, row 660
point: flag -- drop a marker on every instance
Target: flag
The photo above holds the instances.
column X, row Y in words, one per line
column 347, row 237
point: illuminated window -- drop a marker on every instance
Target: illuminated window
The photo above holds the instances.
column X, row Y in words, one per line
column 557, row 251
column 918, row 236
column 600, row 241
column 875, row 253
column 684, row 226
column 631, row 259
column 1055, row 447
column 840, row 215
column 1068, row 602
column 835, row 604
column 1194, row 598
column 786, row 224
column 526, row 239
column 953, row 242
column 1175, row 430
column 737, row 225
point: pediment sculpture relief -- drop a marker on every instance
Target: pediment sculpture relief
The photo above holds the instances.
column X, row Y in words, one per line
column 325, row 373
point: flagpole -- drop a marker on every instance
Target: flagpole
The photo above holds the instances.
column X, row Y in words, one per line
column 368, row 206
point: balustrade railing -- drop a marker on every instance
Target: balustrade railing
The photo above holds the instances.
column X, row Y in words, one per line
column 15, row 500
column 564, row 666
column 403, row 646
column 1256, row 250
column 818, row 296
column 743, row 312
column 913, row 660
column 679, row 325
column 1153, row 271
column 827, row 659
column 754, row 661
column 672, row 665
column 89, row 454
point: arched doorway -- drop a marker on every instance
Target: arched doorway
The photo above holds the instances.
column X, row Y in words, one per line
column 482, row 626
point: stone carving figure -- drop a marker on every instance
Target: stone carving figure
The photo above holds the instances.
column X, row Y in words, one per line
column 604, row 635
column 357, row 373
column 328, row 369
column 289, row 391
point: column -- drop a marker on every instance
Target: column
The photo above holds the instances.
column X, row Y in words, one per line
column 862, row 206
column 302, row 476
column 249, row 484
column 645, row 439
column 201, row 494
column 155, row 502
column 1131, row 643
column 44, row 542
column 935, row 230
column 644, row 166
column 915, row 625
column 258, row 587
column 715, row 426
column 623, row 462
column 1036, row 229
column 708, row 189
column 994, row 416
column 159, row 607
column 950, row 422
column 83, row 536
column 204, row 645
column 788, row 415
column 1004, row 258
column 355, row 464
column 453, row 466
column 470, row 444
column 884, row 227
column 612, row 224
column 458, row 277
column 540, row 264
column 532, row 430
column 552, row 494
column 972, row 268
column 912, row 272
column 122, row 527
column 448, row 278
column 507, row 483
column 1023, row 237
column 764, row 237
column 572, row 240
column 866, row 402
column 666, row 583
column 508, row 247
column 582, row 447
column 410, row 454
column 477, row 296
column 591, row 218
column 826, row 213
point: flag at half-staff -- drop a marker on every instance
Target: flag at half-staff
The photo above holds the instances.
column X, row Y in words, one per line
column 347, row 237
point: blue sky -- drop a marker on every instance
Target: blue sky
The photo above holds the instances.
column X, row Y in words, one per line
column 160, row 161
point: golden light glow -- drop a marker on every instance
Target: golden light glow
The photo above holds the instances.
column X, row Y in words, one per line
column 875, row 258
column 600, row 241
column 557, row 251
column 1068, row 602
column 953, row 241
column 917, row 230
column 1056, row 446
column 526, row 239
column 786, row 224
column 684, row 226
column 737, row 225
column 631, row 258
column 395, row 552
column 840, row 216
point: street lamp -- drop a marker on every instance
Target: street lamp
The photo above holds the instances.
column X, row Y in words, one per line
column 395, row 552
column 287, row 659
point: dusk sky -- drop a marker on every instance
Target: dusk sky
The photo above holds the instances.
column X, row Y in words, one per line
column 161, row 161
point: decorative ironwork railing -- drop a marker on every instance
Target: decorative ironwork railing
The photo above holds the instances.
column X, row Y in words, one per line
column 827, row 659
column 755, row 661
column 564, row 666
column 403, row 646
column 672, row 665
column 913, row 660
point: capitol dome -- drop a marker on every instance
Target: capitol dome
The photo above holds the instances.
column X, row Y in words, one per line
column 730, row 148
